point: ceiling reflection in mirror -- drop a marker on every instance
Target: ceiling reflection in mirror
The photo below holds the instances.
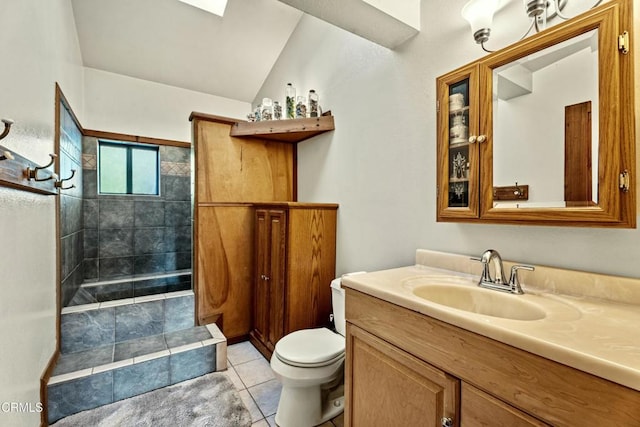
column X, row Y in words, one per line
column 545, row 126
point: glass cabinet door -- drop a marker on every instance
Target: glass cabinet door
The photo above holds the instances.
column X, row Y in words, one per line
column 457, row 149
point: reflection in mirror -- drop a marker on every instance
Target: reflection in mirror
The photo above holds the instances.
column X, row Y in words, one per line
column 545, row 126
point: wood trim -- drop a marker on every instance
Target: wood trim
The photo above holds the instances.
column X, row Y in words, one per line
column 212, row 118
column 134, row 138
column 546, row 390
column 44, row 380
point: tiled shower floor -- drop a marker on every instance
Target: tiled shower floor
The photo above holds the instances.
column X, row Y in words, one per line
column 259, row 389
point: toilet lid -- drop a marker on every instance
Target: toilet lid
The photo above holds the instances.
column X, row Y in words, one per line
column 310, row 347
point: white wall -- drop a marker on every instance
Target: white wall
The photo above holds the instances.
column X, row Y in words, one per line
column 122, row 104
column 380, row 162
column 39, row 47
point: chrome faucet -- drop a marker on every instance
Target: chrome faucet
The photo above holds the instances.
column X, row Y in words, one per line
column 499, row 282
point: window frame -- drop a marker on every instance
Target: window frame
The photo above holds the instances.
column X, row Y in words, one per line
column 129, row 146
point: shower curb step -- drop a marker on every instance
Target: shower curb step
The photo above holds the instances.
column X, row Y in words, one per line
column 84, row 389
column 83, row 327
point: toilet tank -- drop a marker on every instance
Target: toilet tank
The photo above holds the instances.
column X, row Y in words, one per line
column 337, row 302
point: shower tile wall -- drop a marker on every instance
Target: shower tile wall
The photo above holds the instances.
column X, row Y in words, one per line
column 131, row 235
column 71, row 228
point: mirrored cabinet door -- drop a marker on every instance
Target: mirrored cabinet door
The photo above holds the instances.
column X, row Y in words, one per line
column 458, row 171
column 543, row 131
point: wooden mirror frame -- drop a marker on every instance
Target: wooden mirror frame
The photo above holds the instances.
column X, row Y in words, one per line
column 617, row 140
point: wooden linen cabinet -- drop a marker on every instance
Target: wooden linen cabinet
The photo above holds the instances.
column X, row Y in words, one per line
column 295, row 263
column 268, row 307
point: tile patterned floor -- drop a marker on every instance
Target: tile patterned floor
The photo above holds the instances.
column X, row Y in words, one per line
column 259, row 389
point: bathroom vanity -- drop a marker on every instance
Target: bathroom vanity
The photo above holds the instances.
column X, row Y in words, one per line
column 542, row 358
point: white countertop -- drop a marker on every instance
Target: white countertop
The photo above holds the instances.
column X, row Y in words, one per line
column 595, row 335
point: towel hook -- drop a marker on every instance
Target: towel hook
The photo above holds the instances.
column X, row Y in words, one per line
column 33, row 173
column 7, row 128
column 59, row 184
column 6, row 155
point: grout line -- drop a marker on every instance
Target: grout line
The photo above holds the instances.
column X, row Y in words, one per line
column 134, row 279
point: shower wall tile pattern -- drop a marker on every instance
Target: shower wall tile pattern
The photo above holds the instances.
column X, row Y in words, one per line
column 134, row 235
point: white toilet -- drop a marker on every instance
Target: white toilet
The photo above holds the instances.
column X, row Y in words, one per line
column 310, row 365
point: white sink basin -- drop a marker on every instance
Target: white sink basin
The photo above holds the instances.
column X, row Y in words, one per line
column 480, row 301
column 463, row 293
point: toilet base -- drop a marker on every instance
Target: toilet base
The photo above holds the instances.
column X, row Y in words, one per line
column 309, row 406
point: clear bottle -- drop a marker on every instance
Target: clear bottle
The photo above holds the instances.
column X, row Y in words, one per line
column 277, row 110
column 267, row 109
column 290, row 103
column 313, row 104
column 301, row 107
column 258, row 113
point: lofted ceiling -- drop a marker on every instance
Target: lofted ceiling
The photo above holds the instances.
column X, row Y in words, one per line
column 170, row 42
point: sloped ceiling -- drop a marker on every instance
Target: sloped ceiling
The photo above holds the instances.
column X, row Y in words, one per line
column 169, row 42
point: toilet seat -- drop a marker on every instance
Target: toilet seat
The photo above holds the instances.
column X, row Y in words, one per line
column 310, row 348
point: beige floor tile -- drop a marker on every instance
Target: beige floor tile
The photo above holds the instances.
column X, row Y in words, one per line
column 267, row 396
column 272, row 421
column 242, row 352
column 256, row 415
column 261, row 423
column 234, row 378
column 255, row 372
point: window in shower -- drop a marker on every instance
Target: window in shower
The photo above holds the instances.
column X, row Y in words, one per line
column 125, row 168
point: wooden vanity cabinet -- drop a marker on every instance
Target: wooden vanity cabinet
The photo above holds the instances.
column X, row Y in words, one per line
column 402, row 365
column 295, row 264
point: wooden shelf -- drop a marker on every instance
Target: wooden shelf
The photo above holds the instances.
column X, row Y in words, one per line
column 291, row 131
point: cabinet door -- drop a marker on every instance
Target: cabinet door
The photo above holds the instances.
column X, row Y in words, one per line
column 268, row 304
column 276, row 277
column 457, row 152
column 479, row 409
column 386, row 386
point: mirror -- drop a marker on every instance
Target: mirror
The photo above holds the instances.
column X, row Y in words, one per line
column 545, row 127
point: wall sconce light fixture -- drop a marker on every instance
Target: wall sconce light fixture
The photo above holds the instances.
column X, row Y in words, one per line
column 479, row 14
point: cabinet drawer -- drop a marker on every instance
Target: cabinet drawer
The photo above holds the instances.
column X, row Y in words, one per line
column 478, row 408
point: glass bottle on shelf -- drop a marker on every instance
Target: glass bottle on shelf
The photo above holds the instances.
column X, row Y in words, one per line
column 290, row 101
column 267, row 109
column 301, row 107
column 313, row 104
column 277, row 110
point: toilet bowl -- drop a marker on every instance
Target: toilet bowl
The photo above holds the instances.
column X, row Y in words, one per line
column 310, row 365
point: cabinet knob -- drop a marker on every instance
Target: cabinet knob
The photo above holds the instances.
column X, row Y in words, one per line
column 472, row 139
column 446, row 422
column 482, row 138
column 264, row 277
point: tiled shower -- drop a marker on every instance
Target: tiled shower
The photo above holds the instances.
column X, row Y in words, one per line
column 127, row 319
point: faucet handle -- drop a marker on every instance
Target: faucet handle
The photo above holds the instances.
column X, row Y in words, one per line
column 486, row 275
column 514, row 281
